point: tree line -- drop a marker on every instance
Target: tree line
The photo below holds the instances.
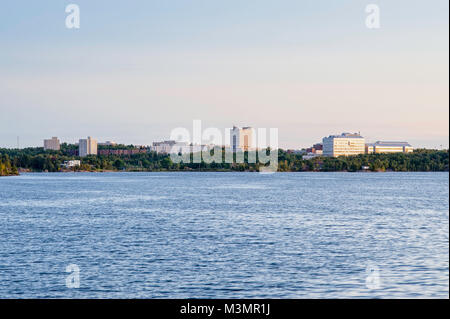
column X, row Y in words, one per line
column 38, row 160
column 6, row 168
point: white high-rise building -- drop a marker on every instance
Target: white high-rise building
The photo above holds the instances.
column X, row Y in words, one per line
column 344, row 145
column 241, row 139
column 52, row 144
column 87, row 147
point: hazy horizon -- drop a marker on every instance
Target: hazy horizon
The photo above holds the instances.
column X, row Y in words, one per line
column 136, row 70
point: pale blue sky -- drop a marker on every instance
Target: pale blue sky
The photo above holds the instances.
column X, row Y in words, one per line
column 137, row 69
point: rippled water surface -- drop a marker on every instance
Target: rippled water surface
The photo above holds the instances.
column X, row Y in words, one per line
column 224, row 235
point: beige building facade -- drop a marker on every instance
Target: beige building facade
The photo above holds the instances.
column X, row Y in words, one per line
column 87, row 147
column 345, row 144
column 52, row 144
column 242, row 139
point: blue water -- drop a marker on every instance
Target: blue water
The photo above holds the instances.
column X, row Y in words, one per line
column 225, row 235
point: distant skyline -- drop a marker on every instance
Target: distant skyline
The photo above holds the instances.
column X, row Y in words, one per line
column 135, row 70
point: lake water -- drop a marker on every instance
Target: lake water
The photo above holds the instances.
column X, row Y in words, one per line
column 225, row 235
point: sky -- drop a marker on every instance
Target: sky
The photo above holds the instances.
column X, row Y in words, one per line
column 135, row 70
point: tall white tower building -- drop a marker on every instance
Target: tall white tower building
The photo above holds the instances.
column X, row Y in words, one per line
column 87, row 147
column 241, row 139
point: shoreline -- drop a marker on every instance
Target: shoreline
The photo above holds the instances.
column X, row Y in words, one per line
column 218, row 171
column 30, row 160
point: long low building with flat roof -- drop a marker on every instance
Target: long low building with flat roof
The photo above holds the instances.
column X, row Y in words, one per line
column 388, row 147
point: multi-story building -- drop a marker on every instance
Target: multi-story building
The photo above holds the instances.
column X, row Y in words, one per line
column 164, row 147
column 87, row 147
column 167, row 147
column 70, row 164
column 52, row 144
column 131, row 151
column 241, row 139
column 316, row 149
column 388, row 147
column 344, row 145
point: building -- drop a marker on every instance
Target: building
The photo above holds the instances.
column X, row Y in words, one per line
column 309, row 156
column 344, row 145
column 297, row 152
column 316, row 148
column 167, row 147
column 52, row 144
column 388, row 147
column 87, row 147
column 125, row 152
column 315, row 151
column 241, row 139
column 164, row 147
column 70, row 164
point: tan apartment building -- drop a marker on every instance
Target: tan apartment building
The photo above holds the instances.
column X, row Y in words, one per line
column 343, row 145
column 52, row 144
